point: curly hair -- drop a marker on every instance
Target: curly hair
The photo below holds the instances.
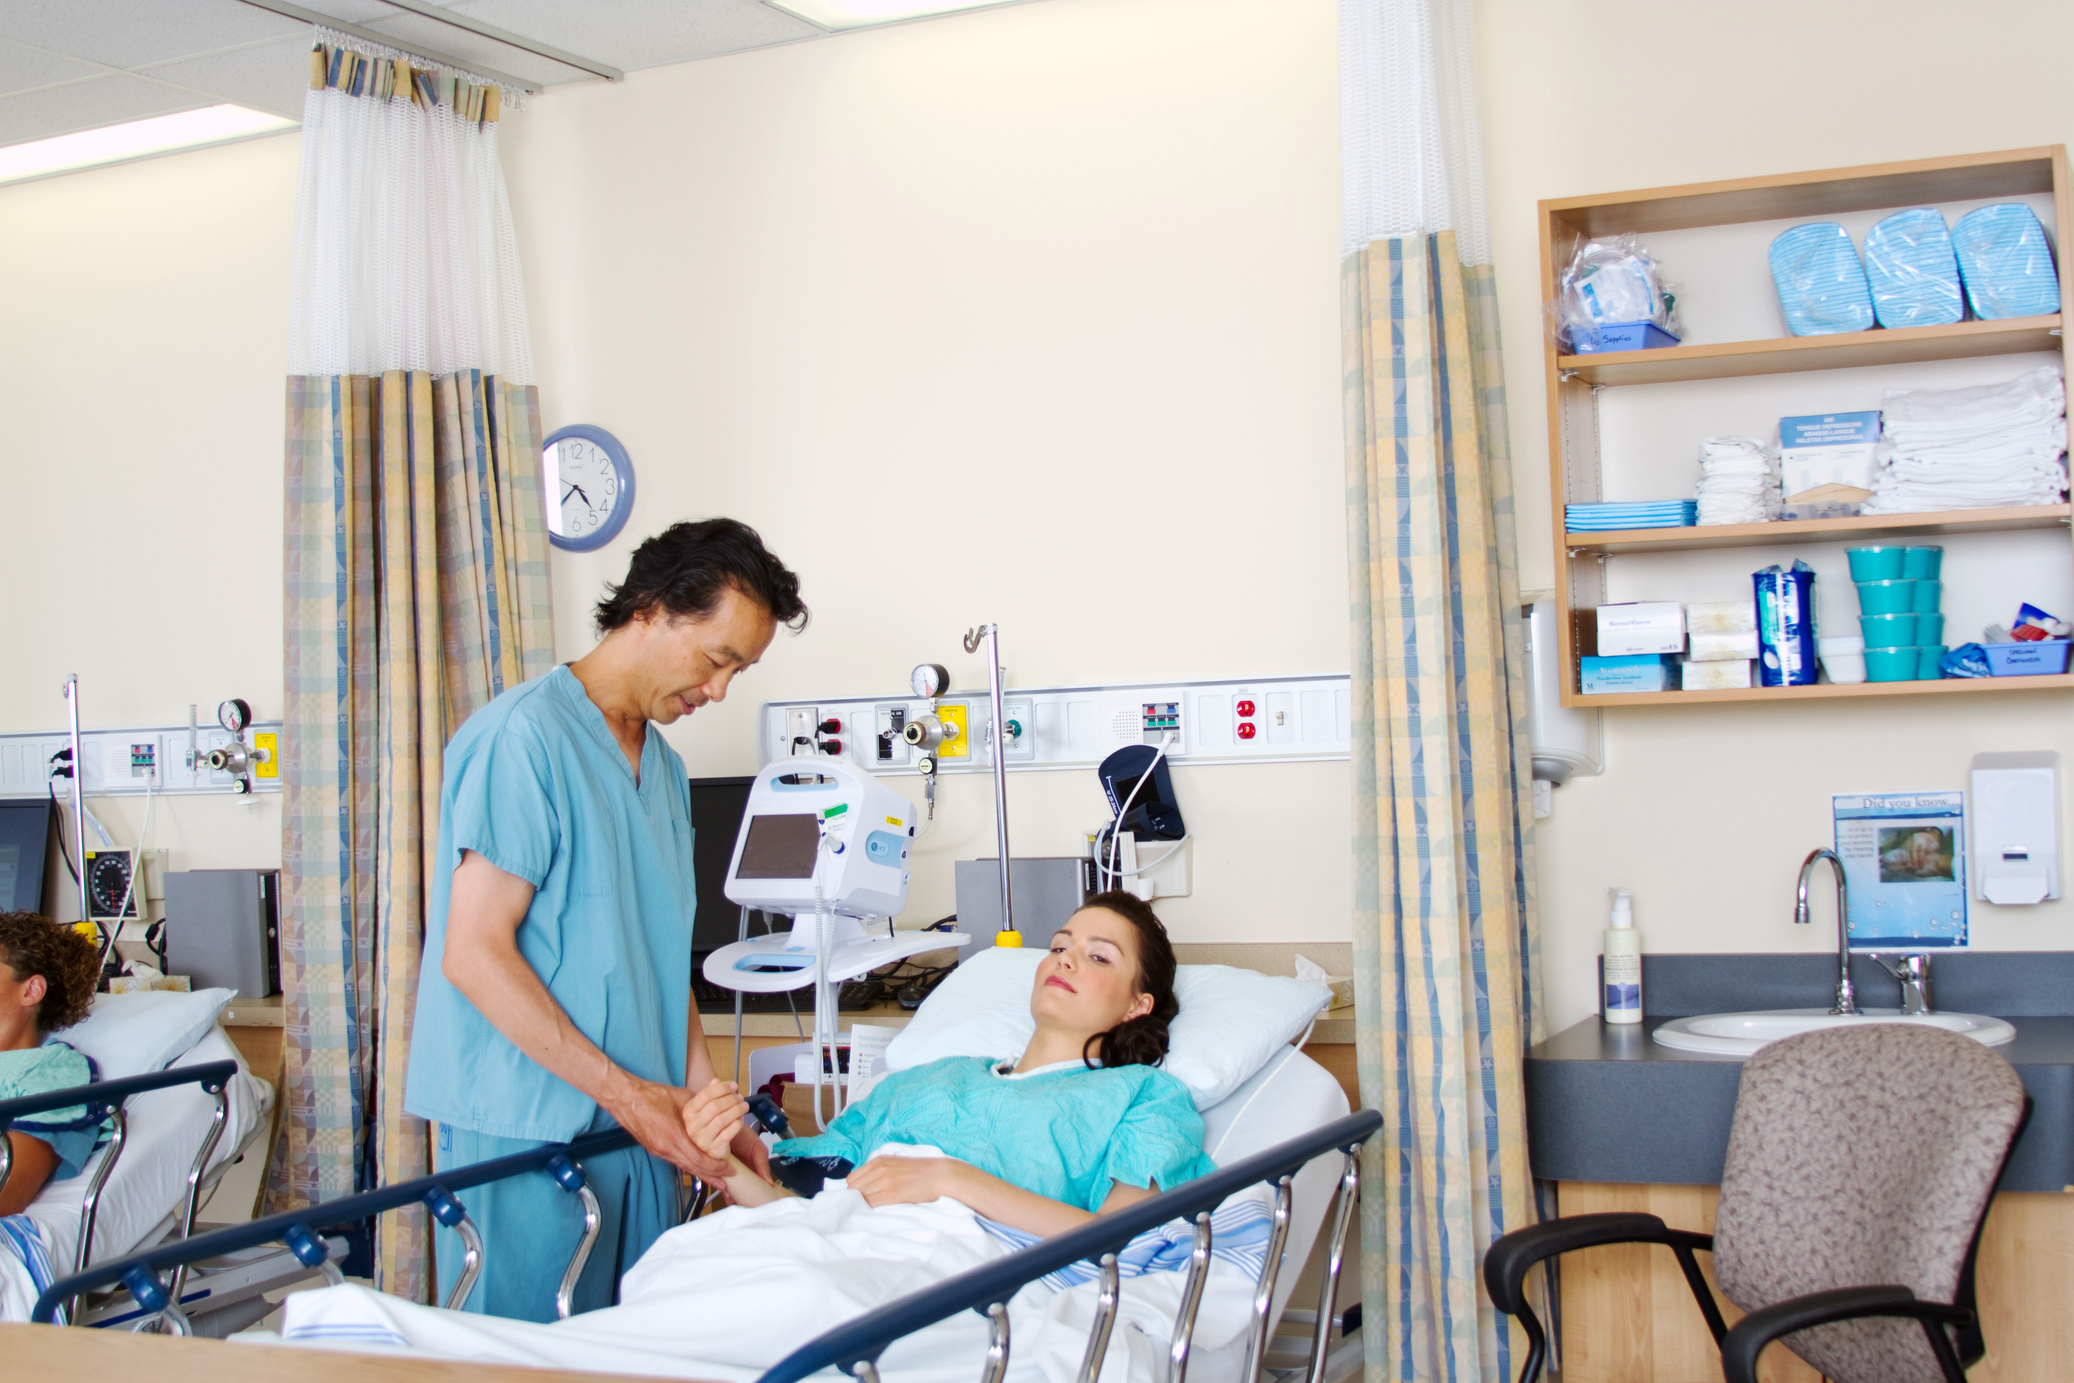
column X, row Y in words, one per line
column 32, row 944
column 1140, row 1041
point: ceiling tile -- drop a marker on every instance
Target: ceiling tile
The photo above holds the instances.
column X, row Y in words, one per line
column 126, row 33
column 633, row 34
column 273, row 77
column 88, row 105
column 22, row 68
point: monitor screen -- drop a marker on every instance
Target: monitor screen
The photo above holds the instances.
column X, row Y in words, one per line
column 24, row 853
column 716, row 818
column 781, row 847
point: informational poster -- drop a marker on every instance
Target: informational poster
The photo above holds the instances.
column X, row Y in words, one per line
column 1904, row 857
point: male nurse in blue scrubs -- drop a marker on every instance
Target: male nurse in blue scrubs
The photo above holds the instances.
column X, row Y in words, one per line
column 556, row 993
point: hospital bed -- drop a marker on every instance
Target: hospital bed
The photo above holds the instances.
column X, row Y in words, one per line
column 1286, row 1127
column 175, row 1133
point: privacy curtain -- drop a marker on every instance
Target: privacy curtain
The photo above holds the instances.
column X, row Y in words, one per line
column 1445, row 948
column 416, row 574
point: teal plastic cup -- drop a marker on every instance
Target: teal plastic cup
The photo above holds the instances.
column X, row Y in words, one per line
column 1926, row 597
column 1933, row 656
column 1929, row 629
column 1876, row 563
column 1922, row 563
column 1893, row 664
column 1888, row 631
column 1895, row 597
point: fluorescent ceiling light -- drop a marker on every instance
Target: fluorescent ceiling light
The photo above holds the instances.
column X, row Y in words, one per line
column 161, row 134
column 856, row 14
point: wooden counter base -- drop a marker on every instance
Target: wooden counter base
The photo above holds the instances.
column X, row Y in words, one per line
column 1628, row 1316
column 52, row 1352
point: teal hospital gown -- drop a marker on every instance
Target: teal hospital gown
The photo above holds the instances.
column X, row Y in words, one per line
column 1065, row 1134
column 71, row 1133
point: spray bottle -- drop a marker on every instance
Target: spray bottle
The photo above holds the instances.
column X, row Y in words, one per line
column 1622, row 964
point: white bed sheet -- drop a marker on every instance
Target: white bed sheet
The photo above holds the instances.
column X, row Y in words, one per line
column 728, row 1296
column 166, row 1128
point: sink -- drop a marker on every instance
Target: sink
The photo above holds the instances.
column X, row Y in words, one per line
column 1740, row 1034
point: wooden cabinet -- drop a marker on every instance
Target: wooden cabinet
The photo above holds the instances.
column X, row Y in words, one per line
column 1732, row 214
column 1628, row 1316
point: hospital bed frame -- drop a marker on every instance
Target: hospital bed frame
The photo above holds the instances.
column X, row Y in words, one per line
column 855, row 1346
column 110, row 1098
column 301, row 1230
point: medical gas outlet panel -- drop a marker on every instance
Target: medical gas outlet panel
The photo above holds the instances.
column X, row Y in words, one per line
column 1265, row 720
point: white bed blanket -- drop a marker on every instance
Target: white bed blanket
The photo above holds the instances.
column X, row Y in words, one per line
column 729, row 1295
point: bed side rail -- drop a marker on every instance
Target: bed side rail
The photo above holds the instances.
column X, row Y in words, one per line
column 107, row 1099
column 854, row 1347
column 300, row 1229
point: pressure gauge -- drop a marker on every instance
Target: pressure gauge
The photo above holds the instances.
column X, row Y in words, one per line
column 930, row 680
column 234, row 715
column 110, row 897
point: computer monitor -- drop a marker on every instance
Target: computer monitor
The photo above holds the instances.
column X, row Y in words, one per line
column 716, row 819
column 25, row 853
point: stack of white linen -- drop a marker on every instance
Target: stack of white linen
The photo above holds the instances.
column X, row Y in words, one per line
column 1739, row 481
column 1980, row 448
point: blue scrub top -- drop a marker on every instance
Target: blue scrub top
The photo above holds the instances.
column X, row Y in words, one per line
column 536, row 785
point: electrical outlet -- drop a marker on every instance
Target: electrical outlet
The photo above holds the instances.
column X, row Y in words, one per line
column 799, row 729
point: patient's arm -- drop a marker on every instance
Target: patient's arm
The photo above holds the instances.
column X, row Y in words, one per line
column 914, row 1180
column 712, row 1120
column 34, row 1161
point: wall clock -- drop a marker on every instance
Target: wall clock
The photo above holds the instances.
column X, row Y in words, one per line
column 588, row 485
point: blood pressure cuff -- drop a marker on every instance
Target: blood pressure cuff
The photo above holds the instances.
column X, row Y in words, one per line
column 804, row 1176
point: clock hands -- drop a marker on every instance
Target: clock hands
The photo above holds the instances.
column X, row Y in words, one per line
column 577, row 490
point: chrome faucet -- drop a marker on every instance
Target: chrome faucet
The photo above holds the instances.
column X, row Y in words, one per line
column 1846, row 1001
column 1913, row 971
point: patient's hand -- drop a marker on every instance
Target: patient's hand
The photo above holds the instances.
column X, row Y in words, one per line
column 713, row 1118
column 907, row 1180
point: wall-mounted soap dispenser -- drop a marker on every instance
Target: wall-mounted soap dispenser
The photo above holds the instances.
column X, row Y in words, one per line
column 2016, row 833
column 1565, row 740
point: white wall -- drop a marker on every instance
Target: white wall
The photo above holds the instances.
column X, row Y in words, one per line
column 1028, row 316
column 141, row 387
column 1705, row 812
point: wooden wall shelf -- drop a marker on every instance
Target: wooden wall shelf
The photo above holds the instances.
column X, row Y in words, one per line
column 1572, row 383
column 1864, row 528
column 1789, row 354
column 1825, row 691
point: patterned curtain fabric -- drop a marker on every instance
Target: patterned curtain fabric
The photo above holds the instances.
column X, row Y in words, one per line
column 417, row 591
column 1445, row 942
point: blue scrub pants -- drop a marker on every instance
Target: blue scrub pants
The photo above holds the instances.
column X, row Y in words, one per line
column 530, row 1227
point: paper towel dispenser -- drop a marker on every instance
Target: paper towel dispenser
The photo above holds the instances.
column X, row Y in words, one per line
column 1565, row 739
column 2016, row 851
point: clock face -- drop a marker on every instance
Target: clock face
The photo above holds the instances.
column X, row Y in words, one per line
column 589, row 487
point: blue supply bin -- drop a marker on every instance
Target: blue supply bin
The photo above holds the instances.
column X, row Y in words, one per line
column 1620, row 336
column 2029, row 659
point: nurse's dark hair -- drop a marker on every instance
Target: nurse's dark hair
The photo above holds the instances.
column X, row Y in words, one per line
column 1140, row 1041
column 685, row 570
column 32, row 944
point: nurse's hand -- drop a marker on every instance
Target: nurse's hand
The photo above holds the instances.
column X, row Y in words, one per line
column 654, row 1114
column 906, row 1180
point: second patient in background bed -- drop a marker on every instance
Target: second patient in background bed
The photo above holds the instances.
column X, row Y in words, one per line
column 1080, row 1123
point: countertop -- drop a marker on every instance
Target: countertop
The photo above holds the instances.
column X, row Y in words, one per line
column 1608, row 1103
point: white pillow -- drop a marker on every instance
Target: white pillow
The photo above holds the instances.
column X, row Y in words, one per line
column 1231, row 1021
column 135, row 1034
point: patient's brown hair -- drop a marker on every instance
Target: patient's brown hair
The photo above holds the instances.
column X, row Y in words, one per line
column 32, row 944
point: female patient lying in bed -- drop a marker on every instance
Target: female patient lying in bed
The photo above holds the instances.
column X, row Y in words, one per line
column 47, row 977
column 1081, row 1123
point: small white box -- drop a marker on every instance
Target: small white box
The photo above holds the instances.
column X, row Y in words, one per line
column 1714, row 676
column 1722, row 648
column 1641, row 627
column 1722, row 617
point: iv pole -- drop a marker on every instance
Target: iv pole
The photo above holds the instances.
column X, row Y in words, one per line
column 79, row 801
column 991, row 635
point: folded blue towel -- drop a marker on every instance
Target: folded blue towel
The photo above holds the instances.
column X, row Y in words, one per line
column 1822, row 288
column 2006, row 262
column 1912, row 272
